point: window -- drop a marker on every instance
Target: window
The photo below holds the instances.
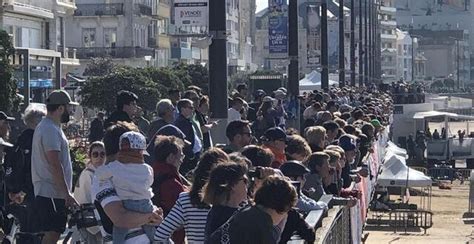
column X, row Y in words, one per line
column 110, row 37
column 88, row 37
column 28, row 37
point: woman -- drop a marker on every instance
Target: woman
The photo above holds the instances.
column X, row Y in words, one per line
column 82, row 190
column 225, row 191
column 316, row 137
column 190, row 211
column 267, row 115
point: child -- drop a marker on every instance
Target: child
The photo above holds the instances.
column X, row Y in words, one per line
column 132, row 180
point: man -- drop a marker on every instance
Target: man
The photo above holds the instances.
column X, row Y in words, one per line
column 318, row 164
column 234, row 111
column 185, row 124
column 142, row 122
column 174, row 95
column 4, row 125
column 168, row 183
column 96, row 132
column 126, row 103
column 239, row 134
column 255, row 105
column 275, row 139
column 242, row 91
column 165, row 111
column 51, row 168
column 332, row 130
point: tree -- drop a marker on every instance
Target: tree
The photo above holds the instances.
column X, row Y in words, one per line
column 99, row 67
column 165, row 79
column 100, row 92
column 9, row 101
column 193, row 74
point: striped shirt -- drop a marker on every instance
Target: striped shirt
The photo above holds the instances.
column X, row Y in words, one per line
column 184, row 214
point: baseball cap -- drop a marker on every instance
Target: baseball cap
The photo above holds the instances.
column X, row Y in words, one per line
column 3, row 116
column 171, row 130
column 4, row 143
column 59, row 97
column 347, row 143
column 376, row 123
column 133, row 140
column 274, row 134
column 268, row 99
column 293, row 168
column 260, row 93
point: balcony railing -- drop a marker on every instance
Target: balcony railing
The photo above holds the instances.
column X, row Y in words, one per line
column 114, row 52
column 99, row 9
column 143, row 9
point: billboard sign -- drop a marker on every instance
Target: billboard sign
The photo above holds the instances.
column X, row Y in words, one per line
column 191, row 14
column 278, row 28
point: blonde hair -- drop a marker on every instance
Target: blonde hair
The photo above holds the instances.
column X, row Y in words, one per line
column 334, row 157
column 315, row 134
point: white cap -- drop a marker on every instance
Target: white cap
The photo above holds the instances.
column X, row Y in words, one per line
column 134, row 140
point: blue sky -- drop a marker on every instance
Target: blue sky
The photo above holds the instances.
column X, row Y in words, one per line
column 261, row 4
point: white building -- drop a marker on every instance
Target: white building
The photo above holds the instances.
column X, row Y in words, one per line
column 388, row 36
column 38, row 32
column 404, row 56
column 124, row 30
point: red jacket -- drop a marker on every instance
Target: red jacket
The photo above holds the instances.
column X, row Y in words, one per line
column 169, row 191
column 279, row 157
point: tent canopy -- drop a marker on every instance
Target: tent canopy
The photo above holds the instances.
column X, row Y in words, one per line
column 312, row 81
column 432, row 114
column 395, row 173
column 394, row 149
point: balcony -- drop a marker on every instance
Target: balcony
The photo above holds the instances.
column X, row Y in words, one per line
column 181, row 53
column 143, row 9
column 99, row 9
column 28, row 9
column 114, row 52
column 388, row 36
column 390, row 10
column 67, row 3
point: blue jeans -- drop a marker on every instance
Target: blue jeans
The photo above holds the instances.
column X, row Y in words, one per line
column 141, row 206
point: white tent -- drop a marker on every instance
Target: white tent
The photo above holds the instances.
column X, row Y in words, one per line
column 395, row 172
column 392, row 148
column 312, row 81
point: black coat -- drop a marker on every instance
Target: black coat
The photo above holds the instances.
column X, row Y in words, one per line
column 115, row 117
column 186, row 126
column 96, row 132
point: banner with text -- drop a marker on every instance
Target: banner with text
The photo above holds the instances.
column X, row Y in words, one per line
column 278, row 29
column 191, row 16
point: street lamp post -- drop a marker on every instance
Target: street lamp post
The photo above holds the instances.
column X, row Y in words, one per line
column 413, row 40
column 324, row 45
column 342, row 73
column 353, row 43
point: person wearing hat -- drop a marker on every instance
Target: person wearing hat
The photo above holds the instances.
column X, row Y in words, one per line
column 275, row 139
column 131, row 178
column 5, row 125
column 166, row 130
column 268, row 115
column 297, row 172
column 51, row 169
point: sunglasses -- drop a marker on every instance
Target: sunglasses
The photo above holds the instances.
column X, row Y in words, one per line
column 97, row 154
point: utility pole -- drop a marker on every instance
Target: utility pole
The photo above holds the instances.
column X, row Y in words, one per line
column 342, row 67
column 457, row 63
column 412, row 59
column 324, row 45
column 218, row 66
column 360, row 45
column 366, row 60
column 293, row 69
column 353, row 43
column 369, row 46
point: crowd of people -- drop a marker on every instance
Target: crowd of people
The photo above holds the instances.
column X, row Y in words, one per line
column 166, row 181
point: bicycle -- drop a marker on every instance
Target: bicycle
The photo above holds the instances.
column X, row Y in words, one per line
column 11, row 226
column 81, row 218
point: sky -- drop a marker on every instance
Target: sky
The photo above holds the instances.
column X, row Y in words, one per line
column 261, row 4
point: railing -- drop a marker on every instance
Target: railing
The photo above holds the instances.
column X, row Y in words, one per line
column 143, row 9
column 114, row 52
column 408, row 98
column 99, row 9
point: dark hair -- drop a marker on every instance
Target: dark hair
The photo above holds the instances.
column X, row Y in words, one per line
column 125, row 98
column 209, row 159
column 357, row 114
column 276, row 193
column 297, row 144
column 173, row 91
column 241, row 87
column 165, row 146
column 189, row 93
column 52, row 107
column 316, row 159
column 330, row 125
column 234, row 128
column 113, row 133
column 237, row 100
column 203, row 100
column 221, row 180
column 259, row 156
column 94, row 145
column 349, row 129
column 240, row 159
column 183, row 103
